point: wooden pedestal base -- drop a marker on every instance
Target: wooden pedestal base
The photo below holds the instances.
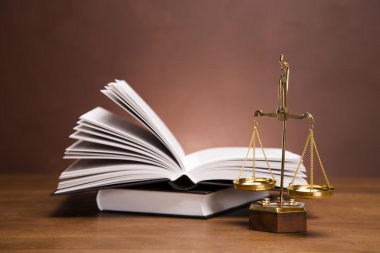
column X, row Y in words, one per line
column 272, row 217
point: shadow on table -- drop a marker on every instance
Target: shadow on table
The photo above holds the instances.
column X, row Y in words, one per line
column 81, row 205
column 241, row 211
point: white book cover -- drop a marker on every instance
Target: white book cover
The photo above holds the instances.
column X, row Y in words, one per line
column 174, row 202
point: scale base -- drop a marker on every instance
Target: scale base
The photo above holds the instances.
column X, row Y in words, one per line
column 273, row 217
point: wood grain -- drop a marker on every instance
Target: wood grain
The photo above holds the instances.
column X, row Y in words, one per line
column 33, row 221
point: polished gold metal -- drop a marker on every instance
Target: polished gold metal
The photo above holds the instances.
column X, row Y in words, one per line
column 283, row 215
column 290, row 206
column 283, row 115
column 265, row 201
column 254, row 184
column 310, row 191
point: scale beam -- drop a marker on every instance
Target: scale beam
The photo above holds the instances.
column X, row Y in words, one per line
column 285, row 116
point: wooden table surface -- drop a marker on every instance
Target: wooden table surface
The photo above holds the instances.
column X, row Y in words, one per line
column 33, row 221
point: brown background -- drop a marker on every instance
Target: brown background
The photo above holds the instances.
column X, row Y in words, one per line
column 204, row 66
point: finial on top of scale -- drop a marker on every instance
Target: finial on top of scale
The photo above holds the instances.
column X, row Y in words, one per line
column 283, row 63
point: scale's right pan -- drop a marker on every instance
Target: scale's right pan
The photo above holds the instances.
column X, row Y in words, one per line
column 309, row 191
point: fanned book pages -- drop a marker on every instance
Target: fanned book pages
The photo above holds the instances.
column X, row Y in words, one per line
column 111, row 151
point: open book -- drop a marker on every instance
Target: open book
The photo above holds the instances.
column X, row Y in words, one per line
column 112, row 151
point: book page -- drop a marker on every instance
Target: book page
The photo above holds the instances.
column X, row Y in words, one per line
column 121, row 93
column 88, row 138
column 226, row 163
column 86, row 174
column 214, row 155
column 103, row 127
column 91, row 150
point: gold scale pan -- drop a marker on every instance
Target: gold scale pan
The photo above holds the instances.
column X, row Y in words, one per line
column 311, row 191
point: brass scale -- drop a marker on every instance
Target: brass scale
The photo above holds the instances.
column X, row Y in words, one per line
column 282, row 215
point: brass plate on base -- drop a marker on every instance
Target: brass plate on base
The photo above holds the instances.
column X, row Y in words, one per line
column 276, row 218
column 310, row 191
column 254, row 184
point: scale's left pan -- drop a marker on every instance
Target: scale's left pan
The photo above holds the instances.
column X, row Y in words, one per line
column 254, row 184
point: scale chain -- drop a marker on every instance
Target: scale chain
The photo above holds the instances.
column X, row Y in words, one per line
column 265, row 156
column 320, row 163
column 252, row 145
column 301, row 160
column 254, row 153
column 313, row 146
column 249, row 149
column 311, row 156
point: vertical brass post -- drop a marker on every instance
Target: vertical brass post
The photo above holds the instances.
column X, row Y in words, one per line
column 282, row 162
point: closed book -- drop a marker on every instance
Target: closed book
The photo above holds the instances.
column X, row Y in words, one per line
column 201, row 204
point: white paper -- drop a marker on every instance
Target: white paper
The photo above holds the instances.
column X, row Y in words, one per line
column 130, row 100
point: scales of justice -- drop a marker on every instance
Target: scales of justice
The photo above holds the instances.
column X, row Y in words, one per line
column 282, row 215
